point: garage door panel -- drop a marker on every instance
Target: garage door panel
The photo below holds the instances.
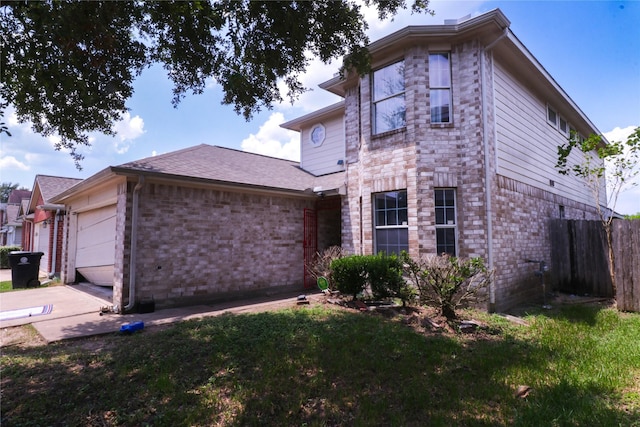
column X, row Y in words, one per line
column 95, row 246
column 102, row 276
column 103, row 254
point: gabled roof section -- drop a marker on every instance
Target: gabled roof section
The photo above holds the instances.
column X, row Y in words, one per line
column 213, row 165
column 16, row 196
column 12, row 215
column 48, row 187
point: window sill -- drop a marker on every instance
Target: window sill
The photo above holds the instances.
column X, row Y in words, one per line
column 389, row 133
column 442, row 125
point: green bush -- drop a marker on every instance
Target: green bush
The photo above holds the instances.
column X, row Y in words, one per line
column 447, row 282
column 384, row 276
column 349, row 274
column 381, row 274
column 4, row 255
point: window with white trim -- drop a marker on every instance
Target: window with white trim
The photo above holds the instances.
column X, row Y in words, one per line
column 552, row 116
column 446, row 228
column 391, row 222
column 389, row 108
column 563, row 126
column 440, row 87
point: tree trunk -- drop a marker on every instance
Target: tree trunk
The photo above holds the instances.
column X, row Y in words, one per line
column 612, row 264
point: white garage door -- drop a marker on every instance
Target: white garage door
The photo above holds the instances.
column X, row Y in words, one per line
column 41, row 244
column 96, row 245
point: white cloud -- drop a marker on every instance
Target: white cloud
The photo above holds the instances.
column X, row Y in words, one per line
column 272, row 140
column 128, row 129
column 619, row 134
column 629, row 198
column 7, row 162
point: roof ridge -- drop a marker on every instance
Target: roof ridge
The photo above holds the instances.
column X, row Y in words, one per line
column 254, row 154
column 55, row 176
column 168, row 154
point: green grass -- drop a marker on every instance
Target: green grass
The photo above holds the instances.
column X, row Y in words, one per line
column 5, row 286
column 321, row 367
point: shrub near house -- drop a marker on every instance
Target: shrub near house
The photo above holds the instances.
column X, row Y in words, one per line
column 444, row 282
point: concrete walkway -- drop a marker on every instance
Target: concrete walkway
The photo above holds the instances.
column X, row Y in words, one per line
column 76, row 312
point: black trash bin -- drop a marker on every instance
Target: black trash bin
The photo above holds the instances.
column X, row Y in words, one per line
column 24, row 269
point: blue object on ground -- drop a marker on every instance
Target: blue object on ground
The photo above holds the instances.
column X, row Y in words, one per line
column 132, row 327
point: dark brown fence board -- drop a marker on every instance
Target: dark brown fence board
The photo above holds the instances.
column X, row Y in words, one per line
column 626, row 237
column 579, row 262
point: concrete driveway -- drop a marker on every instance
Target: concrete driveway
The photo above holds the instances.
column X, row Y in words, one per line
column 76, row 311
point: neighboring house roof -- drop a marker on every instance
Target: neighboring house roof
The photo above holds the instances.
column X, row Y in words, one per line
column 218, row 165
column 48, row 187
column 16, row 196
column 12, row 215
column 51, row 186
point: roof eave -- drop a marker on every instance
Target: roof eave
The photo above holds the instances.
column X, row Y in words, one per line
column 97, row 179
column 207, row 182
column 319, row 115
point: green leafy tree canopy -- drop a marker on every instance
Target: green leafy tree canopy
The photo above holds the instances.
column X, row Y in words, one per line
column 5, row 190
column 68, row 67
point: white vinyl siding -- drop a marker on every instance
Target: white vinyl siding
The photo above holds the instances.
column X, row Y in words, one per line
column 324, row 159
column 526, row 144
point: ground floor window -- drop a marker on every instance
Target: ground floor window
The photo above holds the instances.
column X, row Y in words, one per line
column 391, row 222
column 445, row 205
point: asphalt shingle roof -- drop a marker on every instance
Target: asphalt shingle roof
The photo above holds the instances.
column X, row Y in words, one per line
column 51, row 186
column 16, row 196
column 210, row 162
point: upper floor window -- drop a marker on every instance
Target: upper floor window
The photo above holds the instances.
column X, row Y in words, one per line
column 552, row 116
column 389, row 109
column 391, row 222
column 440, row 87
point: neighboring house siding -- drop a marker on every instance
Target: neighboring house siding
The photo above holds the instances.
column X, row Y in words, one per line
column 324, row 159
column 527, row 144
column 195, row 244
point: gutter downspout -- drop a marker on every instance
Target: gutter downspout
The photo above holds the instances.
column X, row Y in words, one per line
column 134, row 233
column 487, row 171
column 54, row 256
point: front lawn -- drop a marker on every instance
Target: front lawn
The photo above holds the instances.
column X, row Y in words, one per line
column 322, row 366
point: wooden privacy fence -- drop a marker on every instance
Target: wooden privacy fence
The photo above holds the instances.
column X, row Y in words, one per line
column 579, row 260
column 626, row 247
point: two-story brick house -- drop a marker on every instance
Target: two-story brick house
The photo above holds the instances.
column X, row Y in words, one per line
column 449, row 145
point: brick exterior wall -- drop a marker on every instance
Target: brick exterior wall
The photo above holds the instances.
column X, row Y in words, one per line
column 423, row 156
column 199, row 244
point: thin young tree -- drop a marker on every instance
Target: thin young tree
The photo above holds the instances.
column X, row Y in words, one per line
column 608, row 168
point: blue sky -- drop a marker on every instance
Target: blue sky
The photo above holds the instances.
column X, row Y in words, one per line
column 591, row 48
